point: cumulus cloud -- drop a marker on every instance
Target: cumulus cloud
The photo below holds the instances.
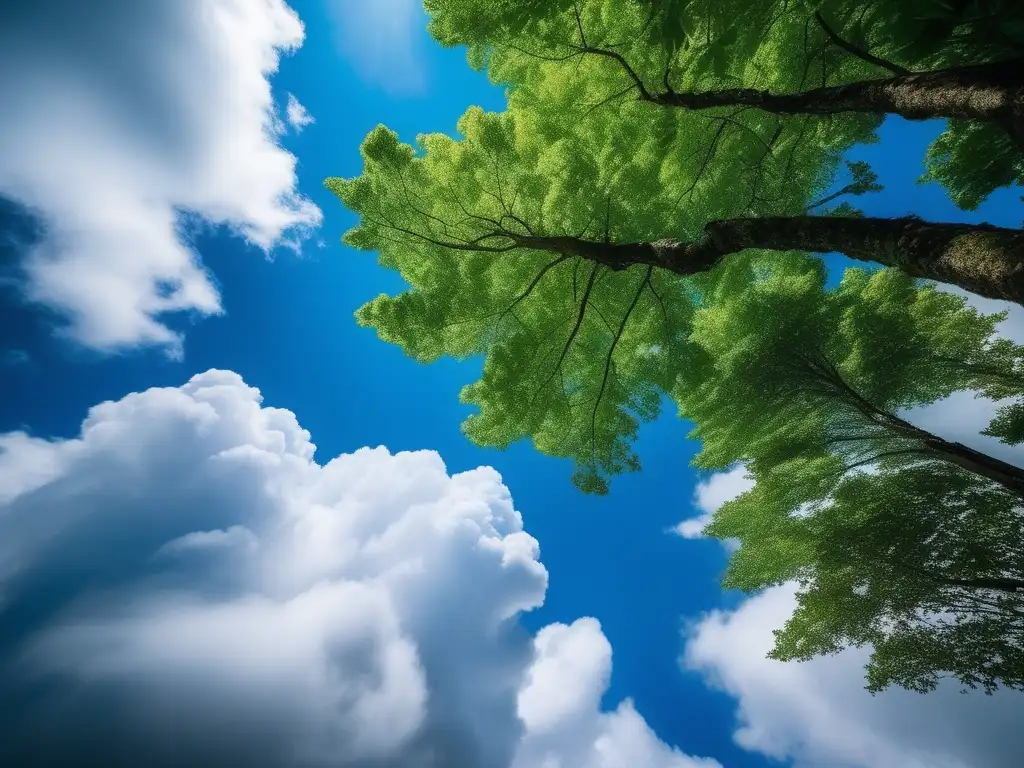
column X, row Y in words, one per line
column 711, row 494
column 560, row 707
column 297, row 115
column 184, row 584
column 123, row 115
column 383, row 40
column 817, row 713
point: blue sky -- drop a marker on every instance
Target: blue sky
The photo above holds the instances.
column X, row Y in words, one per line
column 284, row 325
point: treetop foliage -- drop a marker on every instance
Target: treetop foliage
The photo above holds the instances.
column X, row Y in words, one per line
column 774, row 350
column 589, row 54
column 568, row 342
column 577, row 354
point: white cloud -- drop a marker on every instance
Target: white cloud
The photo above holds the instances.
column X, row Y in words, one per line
column 711, row 494
column 184, row 584
column 383, row 40
column 560, row 706
column 818, row 713
column 297, row 115
column 119, row 117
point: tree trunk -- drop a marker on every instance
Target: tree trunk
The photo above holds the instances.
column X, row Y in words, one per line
column 984, row 582
column 929, row 444
column 990, row 92
column 1007, row 475
column 979, row 258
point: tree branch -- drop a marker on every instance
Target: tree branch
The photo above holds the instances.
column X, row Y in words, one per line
column 584, row 301
column 849, row 47
column 608, row 361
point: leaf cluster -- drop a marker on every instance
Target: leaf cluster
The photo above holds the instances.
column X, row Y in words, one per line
column 891, row 548
column 603, row 51
column 576, row 354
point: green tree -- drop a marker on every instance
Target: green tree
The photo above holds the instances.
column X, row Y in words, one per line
column 899, row 539
column 603, row 252
column 923, row 565
column 781, row 369
column 566, row 264
column 919, row 59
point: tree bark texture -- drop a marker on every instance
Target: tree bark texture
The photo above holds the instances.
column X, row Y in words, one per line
column 980, row 258
column 991, row 92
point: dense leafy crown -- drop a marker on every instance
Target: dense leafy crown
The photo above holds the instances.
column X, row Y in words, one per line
column 786, row 365
column 891, row 547
column 783, row 46
column 576, row 353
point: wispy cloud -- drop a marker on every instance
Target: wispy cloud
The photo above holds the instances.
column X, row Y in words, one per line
column 298, row 116
column 15, row 358
column 384, row 40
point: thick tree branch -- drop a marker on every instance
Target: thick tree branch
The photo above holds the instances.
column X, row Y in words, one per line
column 893, row 427
column 986, row 92
column 992, row 92
column 980, row 258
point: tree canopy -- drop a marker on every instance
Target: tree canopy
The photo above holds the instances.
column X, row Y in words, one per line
column 547, row 253
column 898, row 539
column 558, row 367
column 584, row 53
column 638, row 226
